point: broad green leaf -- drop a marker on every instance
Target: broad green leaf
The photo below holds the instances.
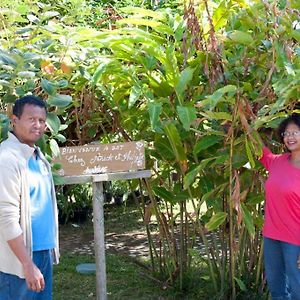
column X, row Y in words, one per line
column 220, row 16
column 135, row 94
column 175, row 141
column 53, row 122
column 143, row 12
column 185, row 78
column 296, row 35
column 50, row 14
column 216, row 220
column 48, row 87
column 170, row 64
column 54, row 148
column 248, row 220
column 163, row 193
column 22, row 9
column 241, row 37
column 60, row 138
column 241, row 284
column 205, row 142
column 23, row 30
column 59, row 100
column 99, row 71
column 217, row 115
column 26, row 74
column 249, row 153
column 163, row 147
column 253, row 198
column 33, row 18
column 281, row 57
column 187, row 116
column 62, row 84
column 5, row 83
column 155, row 109
column 182, row 196
column 7, row 59
column 189, row 178
column 212, row 101
column 146, row 22
column 295, row 4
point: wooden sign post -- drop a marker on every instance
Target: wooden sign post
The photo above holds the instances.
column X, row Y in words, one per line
column 97, row 163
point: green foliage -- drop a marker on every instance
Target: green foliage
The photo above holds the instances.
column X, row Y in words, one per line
column 74, row 199
column 189, row 82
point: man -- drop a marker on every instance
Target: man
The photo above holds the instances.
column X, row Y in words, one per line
column 28, row 210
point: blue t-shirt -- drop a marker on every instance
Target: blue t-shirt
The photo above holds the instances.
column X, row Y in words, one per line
column 42, row 218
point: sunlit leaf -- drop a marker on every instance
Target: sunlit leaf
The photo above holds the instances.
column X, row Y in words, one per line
column 53, row 122
column 241, row 37
column 187, row 115
column 175, row 141
column 216, row 221
column 212, row 101
column 26, row 74
column 50, row 14
column 217, row 115
column 100, row 69
column 185, row 78
column 249, row 153
column 155, row 109
column 54, row 148
column 59, row 100
column 143, row 12
column 134, row 95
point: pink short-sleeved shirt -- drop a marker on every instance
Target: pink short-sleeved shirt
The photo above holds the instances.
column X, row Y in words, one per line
column 282, row 188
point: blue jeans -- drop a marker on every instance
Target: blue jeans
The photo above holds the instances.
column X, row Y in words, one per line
column 283, row 275
column 14, row 288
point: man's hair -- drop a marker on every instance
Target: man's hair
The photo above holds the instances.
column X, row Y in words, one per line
column 293, row 118
column 32, row 100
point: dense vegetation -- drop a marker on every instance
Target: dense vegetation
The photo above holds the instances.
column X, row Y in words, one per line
column 188, row 79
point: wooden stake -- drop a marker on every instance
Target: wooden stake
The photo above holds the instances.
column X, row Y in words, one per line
column 98, row 201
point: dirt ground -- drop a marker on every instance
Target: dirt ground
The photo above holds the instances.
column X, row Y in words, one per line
column 79, row 238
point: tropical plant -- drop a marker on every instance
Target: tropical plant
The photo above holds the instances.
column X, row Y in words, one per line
column 189, row 80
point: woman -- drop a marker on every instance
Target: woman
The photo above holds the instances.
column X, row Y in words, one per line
column 282, row 214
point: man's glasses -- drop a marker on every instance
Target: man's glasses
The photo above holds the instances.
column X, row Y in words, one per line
column 290, row 133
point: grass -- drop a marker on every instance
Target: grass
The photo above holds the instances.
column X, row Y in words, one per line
column 125, row 280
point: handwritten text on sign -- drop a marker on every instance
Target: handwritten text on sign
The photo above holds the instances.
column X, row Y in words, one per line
column 101, row 158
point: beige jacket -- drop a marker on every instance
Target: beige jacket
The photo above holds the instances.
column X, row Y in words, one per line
column 15, row 217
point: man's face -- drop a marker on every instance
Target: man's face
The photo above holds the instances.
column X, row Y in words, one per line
column 31, row 125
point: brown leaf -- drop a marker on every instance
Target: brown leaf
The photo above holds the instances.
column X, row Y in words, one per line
column 148, row 214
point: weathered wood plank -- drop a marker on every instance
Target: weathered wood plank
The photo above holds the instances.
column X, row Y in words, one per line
column 106, row 177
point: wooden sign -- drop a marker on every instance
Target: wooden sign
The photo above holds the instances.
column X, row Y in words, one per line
column 101, row 158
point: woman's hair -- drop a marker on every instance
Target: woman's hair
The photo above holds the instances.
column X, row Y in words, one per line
column 293, row 118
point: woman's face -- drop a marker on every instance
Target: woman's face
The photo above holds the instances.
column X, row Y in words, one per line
column 291, row 137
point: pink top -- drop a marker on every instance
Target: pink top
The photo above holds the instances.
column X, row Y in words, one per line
column 282, row 209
